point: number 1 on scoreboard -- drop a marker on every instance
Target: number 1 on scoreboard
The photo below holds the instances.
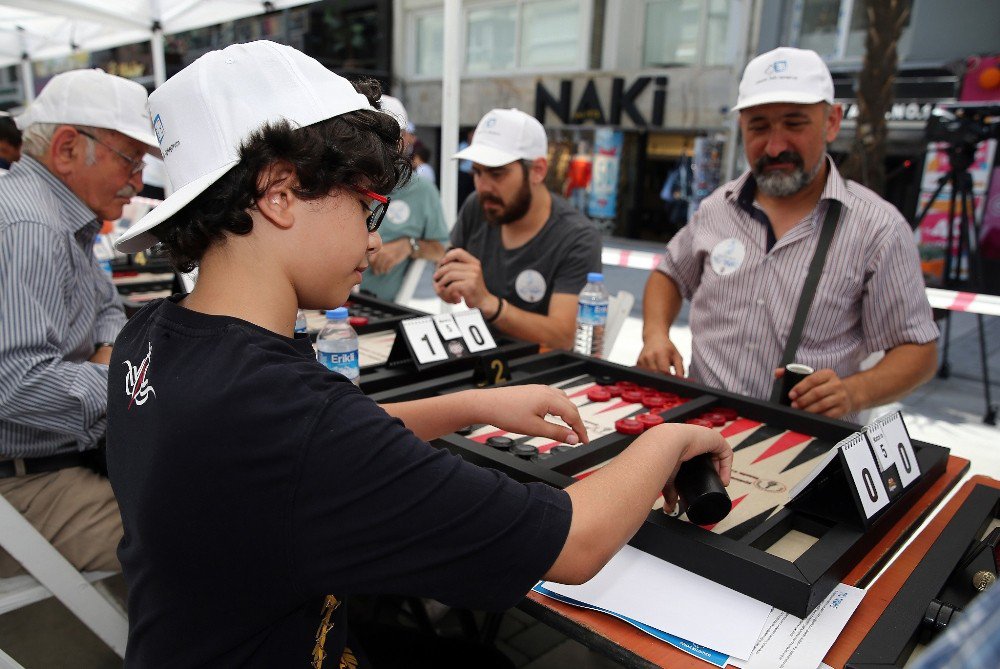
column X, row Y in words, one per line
column 424, row 340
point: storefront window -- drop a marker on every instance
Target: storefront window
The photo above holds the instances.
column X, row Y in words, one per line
column 855, row 47
column 430, row 44
column 490, row 39
column 526, row 34
column 820, row 19
column 717, row 47
column 346, row 39
column 349, row 37
column 550, row 34
column 673, row 32
column 835, row 29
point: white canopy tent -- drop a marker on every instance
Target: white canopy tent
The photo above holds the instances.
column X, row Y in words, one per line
column 32, row 30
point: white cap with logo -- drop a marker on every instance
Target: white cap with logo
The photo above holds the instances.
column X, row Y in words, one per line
column 93, row 98
column 785, row 75
column 204, row 113
column 503, row 136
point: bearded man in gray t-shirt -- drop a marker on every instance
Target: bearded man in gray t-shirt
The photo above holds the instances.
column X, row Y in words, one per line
column 520, row 254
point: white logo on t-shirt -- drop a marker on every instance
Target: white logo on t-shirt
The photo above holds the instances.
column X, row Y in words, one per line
column 530, row 286
column 398, row 212
column 727, row 256
column 137, row 381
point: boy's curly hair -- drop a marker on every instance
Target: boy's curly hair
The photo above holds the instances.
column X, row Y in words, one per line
column 357, row 149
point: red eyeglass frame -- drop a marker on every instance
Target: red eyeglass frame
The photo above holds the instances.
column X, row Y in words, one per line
column 378, row 213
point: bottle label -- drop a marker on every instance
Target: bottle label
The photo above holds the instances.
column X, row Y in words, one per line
column 342, row 362
column 592, row 314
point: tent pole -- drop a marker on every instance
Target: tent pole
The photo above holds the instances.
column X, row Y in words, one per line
column 27, row 74
column 27, row 80
column 451, row 83
column 156, row 43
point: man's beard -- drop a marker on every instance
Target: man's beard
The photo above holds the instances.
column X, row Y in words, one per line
column 517, row 209
column 778, row 183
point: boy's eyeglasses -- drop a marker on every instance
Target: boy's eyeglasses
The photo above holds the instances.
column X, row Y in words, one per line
column 135, row 165
column 377, row 208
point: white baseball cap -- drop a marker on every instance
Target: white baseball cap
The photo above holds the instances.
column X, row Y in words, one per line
column 503, row 136
column 96, row 99
column 395, row 108
column 204, row 113
column 785, row 75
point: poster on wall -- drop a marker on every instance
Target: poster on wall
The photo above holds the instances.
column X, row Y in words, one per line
column 603, row 197
column 933, row 230
column 706, row 169
column 989, row 241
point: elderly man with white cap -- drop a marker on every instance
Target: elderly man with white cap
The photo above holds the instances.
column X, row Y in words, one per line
column 414, row 226
column 84, row 138
column 792, row 263
column 521, row 254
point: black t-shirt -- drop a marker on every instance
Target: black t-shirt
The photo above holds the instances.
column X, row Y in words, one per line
column 556, row 260
column 257, row 489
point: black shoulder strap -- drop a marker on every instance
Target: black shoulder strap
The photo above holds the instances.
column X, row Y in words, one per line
column 808, row 291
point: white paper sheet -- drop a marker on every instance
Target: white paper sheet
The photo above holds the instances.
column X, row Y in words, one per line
column 664, row 596
column 788, row 642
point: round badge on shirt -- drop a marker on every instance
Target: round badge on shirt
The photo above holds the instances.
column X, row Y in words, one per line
column 727, row 256
column 398, row 212
column 530, row 286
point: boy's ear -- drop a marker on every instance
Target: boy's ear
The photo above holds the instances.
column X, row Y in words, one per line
column 277, row 182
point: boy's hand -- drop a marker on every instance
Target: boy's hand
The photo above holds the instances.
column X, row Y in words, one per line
column 522, row 409
column 696, row 440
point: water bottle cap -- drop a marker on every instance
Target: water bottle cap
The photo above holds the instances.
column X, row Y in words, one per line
column 338, row 314
column 595, row 277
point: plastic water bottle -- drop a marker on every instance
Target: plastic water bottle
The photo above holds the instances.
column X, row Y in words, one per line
column 592, row 316
column 338, row 345
column 301, row 327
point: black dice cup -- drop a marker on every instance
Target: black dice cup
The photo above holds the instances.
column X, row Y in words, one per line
column 793, row 374
column 702, row 495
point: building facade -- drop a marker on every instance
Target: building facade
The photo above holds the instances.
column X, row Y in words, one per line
column 658, row 73
column 663, row 73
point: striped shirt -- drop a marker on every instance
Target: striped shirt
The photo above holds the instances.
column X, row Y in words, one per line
column 744, row 291
column 55, row 305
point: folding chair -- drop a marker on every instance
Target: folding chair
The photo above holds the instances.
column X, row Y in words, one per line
column 52, row 575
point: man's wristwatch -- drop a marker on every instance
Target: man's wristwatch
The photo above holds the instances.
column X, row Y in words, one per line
column 414, row 247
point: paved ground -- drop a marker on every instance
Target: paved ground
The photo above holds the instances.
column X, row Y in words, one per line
column 945, row 411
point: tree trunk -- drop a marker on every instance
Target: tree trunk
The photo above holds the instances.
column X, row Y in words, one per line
column 866, row 161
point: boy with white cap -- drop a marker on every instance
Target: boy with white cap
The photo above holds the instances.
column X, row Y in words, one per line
column 84, row 137
column 521, row 254
column 744, row 257
column 414, row 226
column 256, row 487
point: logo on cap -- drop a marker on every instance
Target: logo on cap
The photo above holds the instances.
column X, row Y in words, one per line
column 158, row 129
column 777, row 67
column 490, row 122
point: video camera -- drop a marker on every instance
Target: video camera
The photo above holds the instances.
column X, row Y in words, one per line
column 963, row 125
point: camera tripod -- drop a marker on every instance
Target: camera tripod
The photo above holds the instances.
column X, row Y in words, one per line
column 960, row 157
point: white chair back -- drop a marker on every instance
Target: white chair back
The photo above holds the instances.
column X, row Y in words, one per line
column 52, row 575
